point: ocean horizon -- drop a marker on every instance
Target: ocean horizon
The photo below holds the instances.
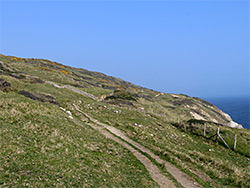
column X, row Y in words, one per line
column 236, row 107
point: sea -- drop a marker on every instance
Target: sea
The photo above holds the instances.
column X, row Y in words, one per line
column 237, row 107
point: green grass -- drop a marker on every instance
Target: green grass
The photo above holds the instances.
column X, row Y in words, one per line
column 185, row 150
column 42, row 147
column 160, row 166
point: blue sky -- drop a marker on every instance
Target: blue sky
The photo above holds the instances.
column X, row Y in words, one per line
column 199, row 48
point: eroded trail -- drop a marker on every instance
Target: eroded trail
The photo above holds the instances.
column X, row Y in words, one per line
column 181, row 177
column 153, row 170
column 72, row 89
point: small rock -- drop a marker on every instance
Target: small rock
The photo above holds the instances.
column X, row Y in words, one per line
column 62, row 109
column 68, row 112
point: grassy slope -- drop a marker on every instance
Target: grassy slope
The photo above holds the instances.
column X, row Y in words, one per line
column 156, row 113
column 186, row 150
column 40, row 146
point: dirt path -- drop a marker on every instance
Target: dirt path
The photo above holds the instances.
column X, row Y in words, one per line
column 181, row 177
column 73, row 89
column 153, row 170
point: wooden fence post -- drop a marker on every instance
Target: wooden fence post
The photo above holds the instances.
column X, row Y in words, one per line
column 218, row 134
column 224, row 141
column 205, row 129
column 235, row 141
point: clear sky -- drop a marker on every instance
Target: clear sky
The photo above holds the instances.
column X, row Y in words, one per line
column 199, row 48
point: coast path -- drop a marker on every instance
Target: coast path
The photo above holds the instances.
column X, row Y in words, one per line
column 162, row 180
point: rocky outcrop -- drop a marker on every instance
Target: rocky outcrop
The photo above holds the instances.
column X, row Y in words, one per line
column 234, row 125
column 39, row 97
column 4, row 85
column 200, row 109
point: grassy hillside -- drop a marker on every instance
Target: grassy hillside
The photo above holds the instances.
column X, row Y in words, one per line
column 42, row 144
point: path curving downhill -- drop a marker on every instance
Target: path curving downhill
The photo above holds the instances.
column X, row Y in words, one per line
column 153, row 170
column 180, row 176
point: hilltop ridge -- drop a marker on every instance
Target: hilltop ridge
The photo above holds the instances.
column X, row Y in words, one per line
column 182, row 106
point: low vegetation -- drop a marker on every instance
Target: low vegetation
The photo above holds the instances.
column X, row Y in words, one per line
column 43, row 147
column 44, row 143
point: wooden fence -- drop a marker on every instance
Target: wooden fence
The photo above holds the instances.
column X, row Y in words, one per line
column 220, row 137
